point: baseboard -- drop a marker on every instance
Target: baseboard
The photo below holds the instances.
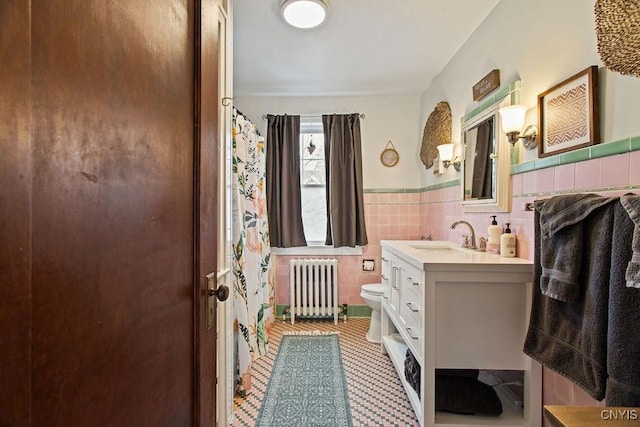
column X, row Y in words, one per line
column 352, row 310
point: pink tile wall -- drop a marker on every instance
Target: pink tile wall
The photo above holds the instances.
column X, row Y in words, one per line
column 389, row 216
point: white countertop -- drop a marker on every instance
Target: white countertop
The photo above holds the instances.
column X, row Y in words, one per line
column 429, row 255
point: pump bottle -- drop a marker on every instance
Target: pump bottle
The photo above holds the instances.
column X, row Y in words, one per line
column 494, row 232
column 507, row 243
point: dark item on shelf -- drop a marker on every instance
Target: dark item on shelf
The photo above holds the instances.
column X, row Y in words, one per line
column 468, row 396
column 412, row 371
column 468, row 373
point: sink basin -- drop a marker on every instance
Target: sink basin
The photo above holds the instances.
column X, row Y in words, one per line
column 440, row 247
column 433, row 248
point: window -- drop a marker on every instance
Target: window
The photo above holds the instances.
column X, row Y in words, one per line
column 290, row 211
column 313, row 181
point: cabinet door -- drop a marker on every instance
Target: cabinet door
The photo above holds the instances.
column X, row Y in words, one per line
column 391, row 278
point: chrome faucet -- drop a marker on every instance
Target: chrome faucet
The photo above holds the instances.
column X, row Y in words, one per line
column 473, row 233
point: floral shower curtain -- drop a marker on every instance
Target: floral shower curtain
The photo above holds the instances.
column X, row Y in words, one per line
column 253, row 289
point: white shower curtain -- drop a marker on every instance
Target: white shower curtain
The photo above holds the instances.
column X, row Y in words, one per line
column 253, row 289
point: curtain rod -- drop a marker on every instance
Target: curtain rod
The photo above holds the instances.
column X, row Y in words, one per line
column 264, row 116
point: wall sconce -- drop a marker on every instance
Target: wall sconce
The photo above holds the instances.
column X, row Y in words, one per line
column 513, row 121
column 446, row 155
column 304, row 14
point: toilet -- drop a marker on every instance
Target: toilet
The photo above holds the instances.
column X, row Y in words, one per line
column 372, row 293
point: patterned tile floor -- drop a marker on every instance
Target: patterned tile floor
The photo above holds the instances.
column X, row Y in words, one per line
column 376, row 396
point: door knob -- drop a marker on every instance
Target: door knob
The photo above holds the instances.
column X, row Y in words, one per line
column 222, row 293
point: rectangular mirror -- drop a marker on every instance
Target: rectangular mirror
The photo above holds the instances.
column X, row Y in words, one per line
column 486, row 166
column 479, row 146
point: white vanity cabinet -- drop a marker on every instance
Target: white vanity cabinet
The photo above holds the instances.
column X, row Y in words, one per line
column 459, row 309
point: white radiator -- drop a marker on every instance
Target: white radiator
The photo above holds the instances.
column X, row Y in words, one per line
column 314, row 288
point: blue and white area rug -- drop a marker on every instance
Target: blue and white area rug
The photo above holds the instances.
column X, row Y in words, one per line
column 307, row 385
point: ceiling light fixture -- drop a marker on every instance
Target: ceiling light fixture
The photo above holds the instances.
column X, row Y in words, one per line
column 304, row 14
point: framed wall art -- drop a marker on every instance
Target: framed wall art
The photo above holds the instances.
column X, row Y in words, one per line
column 568, row 114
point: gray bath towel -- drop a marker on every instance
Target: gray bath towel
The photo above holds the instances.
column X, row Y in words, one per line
column 571, row 337
column 631, row 203
column 561, row 242
column 623, row 343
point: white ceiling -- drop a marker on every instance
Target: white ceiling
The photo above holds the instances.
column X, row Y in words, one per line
column 366, row 47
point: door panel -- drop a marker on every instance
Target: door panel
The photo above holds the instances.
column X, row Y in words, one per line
column 15, row 213
column 113, row 219
column 101, row 205
column 112, row 215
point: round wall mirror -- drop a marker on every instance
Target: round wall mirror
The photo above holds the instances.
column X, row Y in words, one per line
column 389, row 156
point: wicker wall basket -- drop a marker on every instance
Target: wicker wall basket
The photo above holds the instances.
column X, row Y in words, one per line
column 618, row 35
column 437, row 131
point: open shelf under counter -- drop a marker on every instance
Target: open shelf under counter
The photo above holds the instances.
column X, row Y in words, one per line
column 512, row 416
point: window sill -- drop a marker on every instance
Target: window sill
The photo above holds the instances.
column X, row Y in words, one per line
column 319, row 250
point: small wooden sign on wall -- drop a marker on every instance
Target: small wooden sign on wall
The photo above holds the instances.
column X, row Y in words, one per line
column 485, row 86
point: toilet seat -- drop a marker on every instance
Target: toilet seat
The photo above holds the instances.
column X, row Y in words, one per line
column 374, row 289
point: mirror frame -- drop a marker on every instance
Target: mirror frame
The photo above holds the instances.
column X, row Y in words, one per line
column 502, row 201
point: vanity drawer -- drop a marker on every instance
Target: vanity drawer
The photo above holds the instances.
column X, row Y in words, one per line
column 411, row 316
column 411, row 300
column 415, row 340
column 412, row 277
column 411, row 313
column 412, row 290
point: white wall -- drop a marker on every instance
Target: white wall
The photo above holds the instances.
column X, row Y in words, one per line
column 394, row 118
column 541, row 43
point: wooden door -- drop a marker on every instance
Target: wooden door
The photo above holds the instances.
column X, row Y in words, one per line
column 108, row 207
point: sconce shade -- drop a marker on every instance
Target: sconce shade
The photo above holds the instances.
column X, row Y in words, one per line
column 446, row 152
column 513, row 118
column 304, row 13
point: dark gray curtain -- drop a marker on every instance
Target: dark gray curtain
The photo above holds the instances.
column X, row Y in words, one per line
column 482, row 165
column 343, row 156
column 283, row 181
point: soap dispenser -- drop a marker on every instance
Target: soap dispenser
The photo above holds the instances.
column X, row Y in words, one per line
column 494, row 232
column 507, row 243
